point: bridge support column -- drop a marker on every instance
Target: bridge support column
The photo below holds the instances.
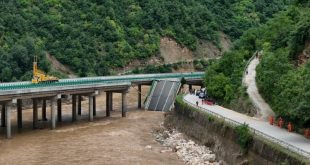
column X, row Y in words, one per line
column 73, row 108
column 91, row 107
column 124, row 104
column 35, row 113
column 107, row 104
column 80, row 105
column 94, row 105
column 53, row 112
column 44, row 118
column 111, row 101
column 8, row 107
column 19, row 113
column 139, row 96
column 59, row 110
column 3, row 115
column 190, row 87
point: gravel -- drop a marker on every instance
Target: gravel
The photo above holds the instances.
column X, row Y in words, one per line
column 187, row 150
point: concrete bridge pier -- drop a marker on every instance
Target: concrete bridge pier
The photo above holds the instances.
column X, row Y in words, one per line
column 53, row 112
column 124, row 103
column 59, row 113
column 79, row 105
column 94, row 105
column 91, row 108
column 8, row 108
column 19, row 113
column 190, row 87
column 3, row 115
column 111, row 101
column 74, row 108
column 44, row 118
column 107, row 104
column 139, row 96
column 35, row 113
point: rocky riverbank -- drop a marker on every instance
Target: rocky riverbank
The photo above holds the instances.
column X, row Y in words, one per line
column 186, row 149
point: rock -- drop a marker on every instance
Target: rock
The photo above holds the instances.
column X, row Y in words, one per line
column 148, row 147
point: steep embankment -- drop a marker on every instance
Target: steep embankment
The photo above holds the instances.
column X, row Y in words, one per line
column 57, row 66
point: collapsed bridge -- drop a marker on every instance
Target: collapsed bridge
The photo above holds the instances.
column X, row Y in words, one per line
column 12, row 94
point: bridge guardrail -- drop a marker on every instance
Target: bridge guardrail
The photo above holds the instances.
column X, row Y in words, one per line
column 27, row 85
column 255, row 131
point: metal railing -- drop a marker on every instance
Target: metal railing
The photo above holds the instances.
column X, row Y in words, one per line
column 94, row 80
column 255, row 131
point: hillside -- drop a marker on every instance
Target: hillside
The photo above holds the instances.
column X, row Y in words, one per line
column 282, row 79
column 96, row 37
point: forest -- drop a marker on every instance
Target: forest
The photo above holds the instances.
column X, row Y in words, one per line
column 94, row 37
column 284, row 83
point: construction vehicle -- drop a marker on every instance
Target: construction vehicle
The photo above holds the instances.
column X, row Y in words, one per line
column 39, row 76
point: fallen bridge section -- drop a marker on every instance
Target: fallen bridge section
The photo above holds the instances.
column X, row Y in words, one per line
column 162, row 95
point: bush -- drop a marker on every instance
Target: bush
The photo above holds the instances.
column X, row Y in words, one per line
column 244, row 137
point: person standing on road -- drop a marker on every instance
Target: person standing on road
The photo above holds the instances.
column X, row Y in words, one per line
column 197, row 103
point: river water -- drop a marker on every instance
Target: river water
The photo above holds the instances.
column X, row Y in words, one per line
column 113, row 140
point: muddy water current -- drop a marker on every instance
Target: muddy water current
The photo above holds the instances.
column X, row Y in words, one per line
column 112, row 140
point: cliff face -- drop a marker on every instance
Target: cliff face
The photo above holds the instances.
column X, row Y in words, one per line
column 221, row 138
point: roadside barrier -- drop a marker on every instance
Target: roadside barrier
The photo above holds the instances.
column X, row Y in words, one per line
column 255, row 131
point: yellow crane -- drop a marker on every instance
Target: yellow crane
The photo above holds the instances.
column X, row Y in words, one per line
column 39, row 76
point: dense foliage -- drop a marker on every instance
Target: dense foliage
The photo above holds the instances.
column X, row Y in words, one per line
column 283, row 84
column 93, row 37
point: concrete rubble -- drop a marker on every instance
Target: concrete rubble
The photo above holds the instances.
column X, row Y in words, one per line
column 187, row 150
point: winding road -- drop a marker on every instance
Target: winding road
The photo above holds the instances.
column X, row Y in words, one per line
column 263, row 109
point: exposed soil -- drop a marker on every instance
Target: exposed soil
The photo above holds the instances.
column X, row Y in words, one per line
column 59, row 66
column 112, row 140
column 304, row 56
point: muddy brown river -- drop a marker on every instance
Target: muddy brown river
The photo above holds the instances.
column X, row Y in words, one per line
column 112, row 140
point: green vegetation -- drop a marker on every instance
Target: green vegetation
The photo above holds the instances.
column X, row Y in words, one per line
column 283, row 84
column 244, row 136
column 93, row 37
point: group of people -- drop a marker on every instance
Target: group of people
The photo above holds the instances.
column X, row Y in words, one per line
column 280, row 123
